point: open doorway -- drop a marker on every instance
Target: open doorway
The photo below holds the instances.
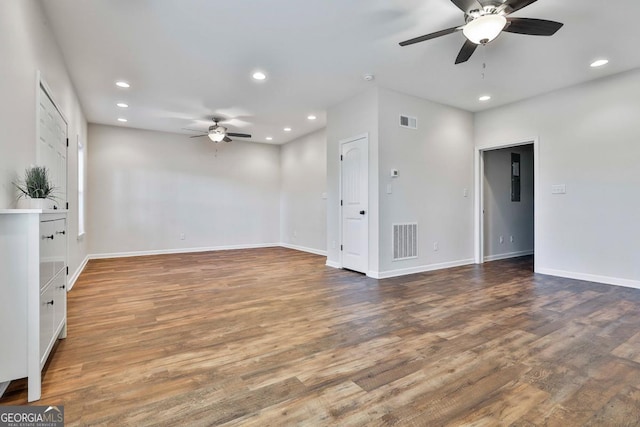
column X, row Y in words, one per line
column 506, row 184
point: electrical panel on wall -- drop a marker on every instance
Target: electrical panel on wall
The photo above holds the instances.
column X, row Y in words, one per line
column 408, row 122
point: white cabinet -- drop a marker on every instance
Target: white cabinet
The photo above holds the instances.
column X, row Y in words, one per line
column 33, row 294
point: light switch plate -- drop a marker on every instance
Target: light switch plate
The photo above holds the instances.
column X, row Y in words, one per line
column 558, row 189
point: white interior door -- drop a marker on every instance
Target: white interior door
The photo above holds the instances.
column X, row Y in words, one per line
column 355, row 204
column 52, row 145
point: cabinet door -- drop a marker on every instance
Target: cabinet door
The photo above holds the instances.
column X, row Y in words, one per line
column 47, row 307
column 60, row 301
column 47, row 249
column 53, row 238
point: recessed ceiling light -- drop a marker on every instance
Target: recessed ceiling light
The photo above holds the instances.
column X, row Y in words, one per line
column 269, row 138
column 259, row 75
column 122, row 120
column 599, row 63
column 484, row 98
column 122, row 105
column 311, row 117
column 287, row 129
column 123, row 84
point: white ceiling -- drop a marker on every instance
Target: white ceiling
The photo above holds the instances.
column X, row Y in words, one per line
column 188, row 60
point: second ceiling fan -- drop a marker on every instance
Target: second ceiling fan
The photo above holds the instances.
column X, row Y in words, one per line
column 218, row 133
column 486, row 19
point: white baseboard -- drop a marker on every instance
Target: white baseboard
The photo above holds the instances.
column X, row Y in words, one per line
column 76, row 274
column 304, row 249
column 181, row 250
column 607, row 280
column 419, row 269
column 333, row 264
column 3, row 387
column 508, row 255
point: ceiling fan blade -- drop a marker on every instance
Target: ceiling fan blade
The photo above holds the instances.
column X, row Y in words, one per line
column 431, row 36
column 227, row 139
column 532, row 27
column 515, row 5
column 239, row 135
column 465, row 53
column 467, row 5
column 198, row 136
column 193, row 130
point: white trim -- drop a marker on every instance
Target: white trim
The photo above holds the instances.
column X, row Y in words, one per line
column 76, row 274
column 304, row 249
column 333, row 264
column 419, row 269
column 3, row 387
column 180, row 250
column 479, row 196
column 508, row 255
column 606, row 280
column 81, row 188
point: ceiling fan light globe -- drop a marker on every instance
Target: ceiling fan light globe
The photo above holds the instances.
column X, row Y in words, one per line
column 216, row 137
column 217, row 133
column 484, row 29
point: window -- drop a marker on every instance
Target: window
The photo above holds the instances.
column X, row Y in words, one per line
column 81, row 180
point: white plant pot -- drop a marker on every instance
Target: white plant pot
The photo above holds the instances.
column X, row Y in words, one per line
column 29, row 203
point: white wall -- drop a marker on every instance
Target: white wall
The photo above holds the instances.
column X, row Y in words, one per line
column 435, row 164
column 353, row 117
column 502, row 217
column 303, row 209
column 26, row 46
column 588, row 137
column 149, row 187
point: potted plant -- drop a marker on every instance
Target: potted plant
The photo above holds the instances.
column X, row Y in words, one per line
column 36, row 190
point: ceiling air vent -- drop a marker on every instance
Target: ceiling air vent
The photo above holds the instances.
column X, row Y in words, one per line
column 408, row 122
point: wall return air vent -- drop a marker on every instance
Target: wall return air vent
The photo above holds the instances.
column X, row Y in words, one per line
column 405, row 241
column 408, row 122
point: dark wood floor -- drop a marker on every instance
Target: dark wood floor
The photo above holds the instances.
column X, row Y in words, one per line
column 273, row 337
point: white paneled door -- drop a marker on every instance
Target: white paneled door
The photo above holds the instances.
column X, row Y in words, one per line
column 52, row 145
column 355, row 204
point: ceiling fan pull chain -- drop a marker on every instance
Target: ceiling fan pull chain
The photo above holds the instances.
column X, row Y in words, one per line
column 484, row 62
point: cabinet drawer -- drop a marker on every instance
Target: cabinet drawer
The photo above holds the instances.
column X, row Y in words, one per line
column 53, row 246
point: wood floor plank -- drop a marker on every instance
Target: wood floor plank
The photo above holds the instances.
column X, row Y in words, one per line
column 273, row 337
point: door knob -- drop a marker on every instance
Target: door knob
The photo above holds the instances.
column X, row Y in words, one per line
column 362, row 212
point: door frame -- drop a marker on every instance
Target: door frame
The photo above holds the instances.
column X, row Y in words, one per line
column 479, row 195
column 341, row 240
column 42, row 84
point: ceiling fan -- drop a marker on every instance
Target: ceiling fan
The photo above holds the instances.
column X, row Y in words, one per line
column 218, row 133
column 486, row 19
